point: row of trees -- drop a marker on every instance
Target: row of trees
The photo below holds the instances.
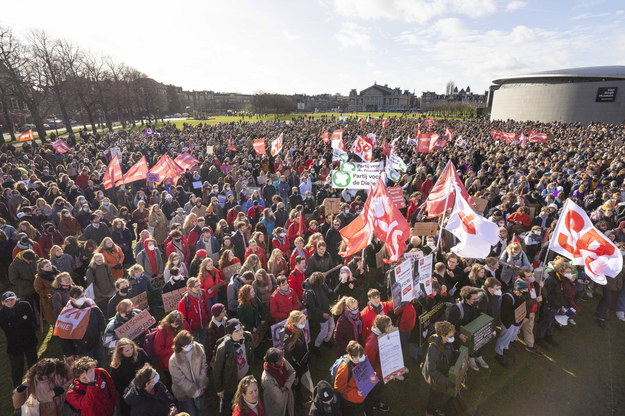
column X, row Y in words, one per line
column 55, row 77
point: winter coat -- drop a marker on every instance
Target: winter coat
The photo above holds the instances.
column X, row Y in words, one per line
column 20, row 332
column 296, row 281
column 553, row 294
column 103, row 282
column 281, row 305
column 188, row 376
column 43, row 287
column 278, row 402
column 143, row 403
column 125, row 373
column 438, row 360
column 65, row 263
column 368, row 314
column 47, row 240
column 195, row 310
column 233, row 291
column 251, row 314
column 69, row 226
column 96, row 234
column 237, row 411
column 225, row 367
column 507, row 272
column 59, row 299
column 93, row 399
column 317, row 263
column 317, row 300
column 22, row 276
column 319, row 408
column 163, row 342
column 115, row 260
column 110, row 337
column 144, row 260
column 213, row 334
column 345, row 383
column 161, row 227
column 343, row 333
column 92, row 337
column 297, row 355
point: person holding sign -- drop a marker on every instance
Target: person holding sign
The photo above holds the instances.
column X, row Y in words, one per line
column 352, row 400
column 381, row 325
column 438, row 360
column 461, row 314
column 513, row 313
column 125, row 312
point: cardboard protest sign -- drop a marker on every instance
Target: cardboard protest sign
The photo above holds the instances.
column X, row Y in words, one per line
column 171, row 299
column 520, row 313
column 136, row 326
column 480, row 204
column 331, row 205
column 427, row 320
column 365, row 377
column 391, row 356
column 140, row 301
column 458, row 371
column 231, row 270
column 277, row 332
column 210, row 150
column 158, row 282
column 425, row 229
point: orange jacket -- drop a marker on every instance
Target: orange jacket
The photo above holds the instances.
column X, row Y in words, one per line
column 346, row 385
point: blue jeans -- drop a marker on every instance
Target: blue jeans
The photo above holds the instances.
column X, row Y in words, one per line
column 193, row 407
column 506, row 336
column 620, row 304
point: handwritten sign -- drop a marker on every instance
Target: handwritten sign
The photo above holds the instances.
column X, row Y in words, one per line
column 171, row 299
column 140, row 301
column 519, row 313
column 135, row 326
column 391, row 356
column 158, row 282
column 425, row 229
column 365, row 377
column 331, row 205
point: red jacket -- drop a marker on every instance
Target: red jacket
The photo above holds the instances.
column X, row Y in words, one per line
column 163, row 345
column 296, row 280
column 406, row 318
column 281, row 305
column 260, row 252
column 93, row 399
column 293, row 230
column 285, row 247
column 194, row 236
column 368, row 316
column 169, row 248
column 231, row 215
column 372, row 351
column 36, row 248
column 212, row 281
column 247, row 412
column 195, row 311
column 294, row 255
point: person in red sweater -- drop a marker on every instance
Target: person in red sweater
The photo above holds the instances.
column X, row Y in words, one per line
column 254, row 248
column 196, row 232
column 297, row 277
column 212, row 280
column 194, row 308
column 374, row 308
column 167, row 330
column 427, row 185
column 179, row 244
column 406, row 321
column 283, row 300
column 93, row 391
column 281, row 241
column 299, row 250
column 294, row 228
column 246, row 401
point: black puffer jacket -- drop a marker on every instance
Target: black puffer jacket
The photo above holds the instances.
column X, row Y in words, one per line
column 144, row 404
column 317, row 300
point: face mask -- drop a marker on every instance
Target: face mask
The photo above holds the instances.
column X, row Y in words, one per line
column 96, row 225
column 67, row 215
column 123, row 291
column 187, row 348
column 85, row 209
column 151, row 247
column 301, row 326
column 570, row 276
column 355, row 313
column 498, row 292
column 157, row 377
column 80, row 301
column 431, row 244
column 106, row 204
column 344, row 275
column 347, row 211
column 176, row 277
column 176, row 261
column 282, row 235
column 451, row 340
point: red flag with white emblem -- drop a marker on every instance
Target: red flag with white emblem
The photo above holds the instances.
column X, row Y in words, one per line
column 276, row 145
column 325, row 137
column 112, row 174
column 27, row 135
column 385, row 123
column 186, row 161
column 535, row 137
column 363, row 149
column 137, row 172
column 576, row 238
column 442, row 195
column 476, row 233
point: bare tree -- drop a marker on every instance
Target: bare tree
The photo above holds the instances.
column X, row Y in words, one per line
column 449, row 88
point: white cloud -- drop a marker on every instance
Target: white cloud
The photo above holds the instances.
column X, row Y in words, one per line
column 585, row 16
column 419, row 11
column 450, row 27
column 515, row 5
column 289, row 36
column 353, row 35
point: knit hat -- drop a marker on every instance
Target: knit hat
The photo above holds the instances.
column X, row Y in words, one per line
column 201, row 253
column 521, row 284
column 232, row 325
column 217, row 309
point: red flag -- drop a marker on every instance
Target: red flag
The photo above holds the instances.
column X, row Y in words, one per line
column 166, row 168
column 60, row 146
column 436, row 143
column 385, row 123
column 370, row 138
column 443, row 194
column 425, row 142
column 27, row 135
column 325, row 137
column 259, row 146
column 337, row 135
column 386, row 149
column 300, row 229
column 276, row 145
column 448, row 134
column 112, row 174
column 497, row 134
column 535, row 137
column 230, row 146
column 515, row 239
column 137, row 172
column 429, row 122
column 372, row 121
column 186, row 161
column 508, row 137
column 356, row 235
column 362, row 122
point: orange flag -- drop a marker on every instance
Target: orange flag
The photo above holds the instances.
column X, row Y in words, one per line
column 112, row 174
column 137, row 172
column 259, row 146
column 24, row 137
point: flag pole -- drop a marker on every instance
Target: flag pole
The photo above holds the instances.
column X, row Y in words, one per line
column 440, row 233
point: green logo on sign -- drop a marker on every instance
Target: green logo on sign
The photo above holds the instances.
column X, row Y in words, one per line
column 348, row 167
column 341, row 179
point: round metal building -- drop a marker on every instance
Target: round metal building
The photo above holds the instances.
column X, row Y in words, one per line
column 585, row 95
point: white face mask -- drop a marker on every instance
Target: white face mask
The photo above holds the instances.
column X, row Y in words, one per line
column 498, row 292
column 431, row 243
column 177, row 277
column 344, row 275
column 80, row 301
column 301, row 326
column 157, row 377
column 451, row 340
column 362, row 358
column 151, row 247
column 570, row 276
column 187, row 348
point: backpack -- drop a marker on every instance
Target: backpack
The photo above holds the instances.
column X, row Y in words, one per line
column 449, row 306
column 308, row 293
column 335, row 367
column 148, row 343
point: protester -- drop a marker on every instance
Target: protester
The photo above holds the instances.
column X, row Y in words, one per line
column 194, row 309
column 46, row 382
column 60, row 293
column 352, row 401
column 216, row 330
column 348, row 325
column 374, row 308
column 101, row 276
column 166, row 331
column 252, row 314
column 246, row 401
column 127, row 359
column 277, row 380
column 93, row 391
column 148, row 396
column 317, row 299
column 125, row 312
column 325, row 401
column 188, row 367
column 438, row 360
column 283, row 300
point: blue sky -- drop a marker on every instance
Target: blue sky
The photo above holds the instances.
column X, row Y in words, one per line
column 319, row 46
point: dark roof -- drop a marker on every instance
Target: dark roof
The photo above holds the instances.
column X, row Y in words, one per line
column 380, row 87
column 610, row 72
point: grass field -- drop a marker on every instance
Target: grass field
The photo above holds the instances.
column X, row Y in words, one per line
column 582, row 377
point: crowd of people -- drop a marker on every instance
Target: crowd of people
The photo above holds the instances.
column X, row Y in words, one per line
column 245, row 240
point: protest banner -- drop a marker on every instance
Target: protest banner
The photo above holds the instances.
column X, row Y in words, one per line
column 427, row 320
column 397, row 196
column 158, row 282
column 391, row 356
column 171, row 299
column 365, row 377
column 458, row 371
column 425, row 229
column 231, row 270
column 277, row 332
column 402, row 284
column 140, row 301
column 135, row 326
column 422, row 276
column 354, row 175
column 332, row 205
column 479, row 331
column 520, row 313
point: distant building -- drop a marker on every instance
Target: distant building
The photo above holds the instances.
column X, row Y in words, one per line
column 429, row 98
column 584, row 95
column 381, row 98
column 321, row 103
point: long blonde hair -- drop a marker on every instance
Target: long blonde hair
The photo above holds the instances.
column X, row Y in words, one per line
column 294, row 316
column 116, row 359
column 345, row 301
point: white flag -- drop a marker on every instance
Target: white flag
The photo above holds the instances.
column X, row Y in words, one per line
column 476, row 233
column 276, row 145
column 362, row 149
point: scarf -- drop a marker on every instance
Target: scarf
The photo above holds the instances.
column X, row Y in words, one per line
column 151, row 257
column 356, row 323
column 284, row 293
column 377, row 309
column 279, row 373
column 49, row 275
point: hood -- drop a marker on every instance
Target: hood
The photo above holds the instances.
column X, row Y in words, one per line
column 306, row 285
column 316, row 395
column 134, row 395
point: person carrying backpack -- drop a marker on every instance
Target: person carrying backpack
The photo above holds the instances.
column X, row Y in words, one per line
column 325, row 401
column 352, row 401
column 435, row 369
column 461, row 314
column 194, row 308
